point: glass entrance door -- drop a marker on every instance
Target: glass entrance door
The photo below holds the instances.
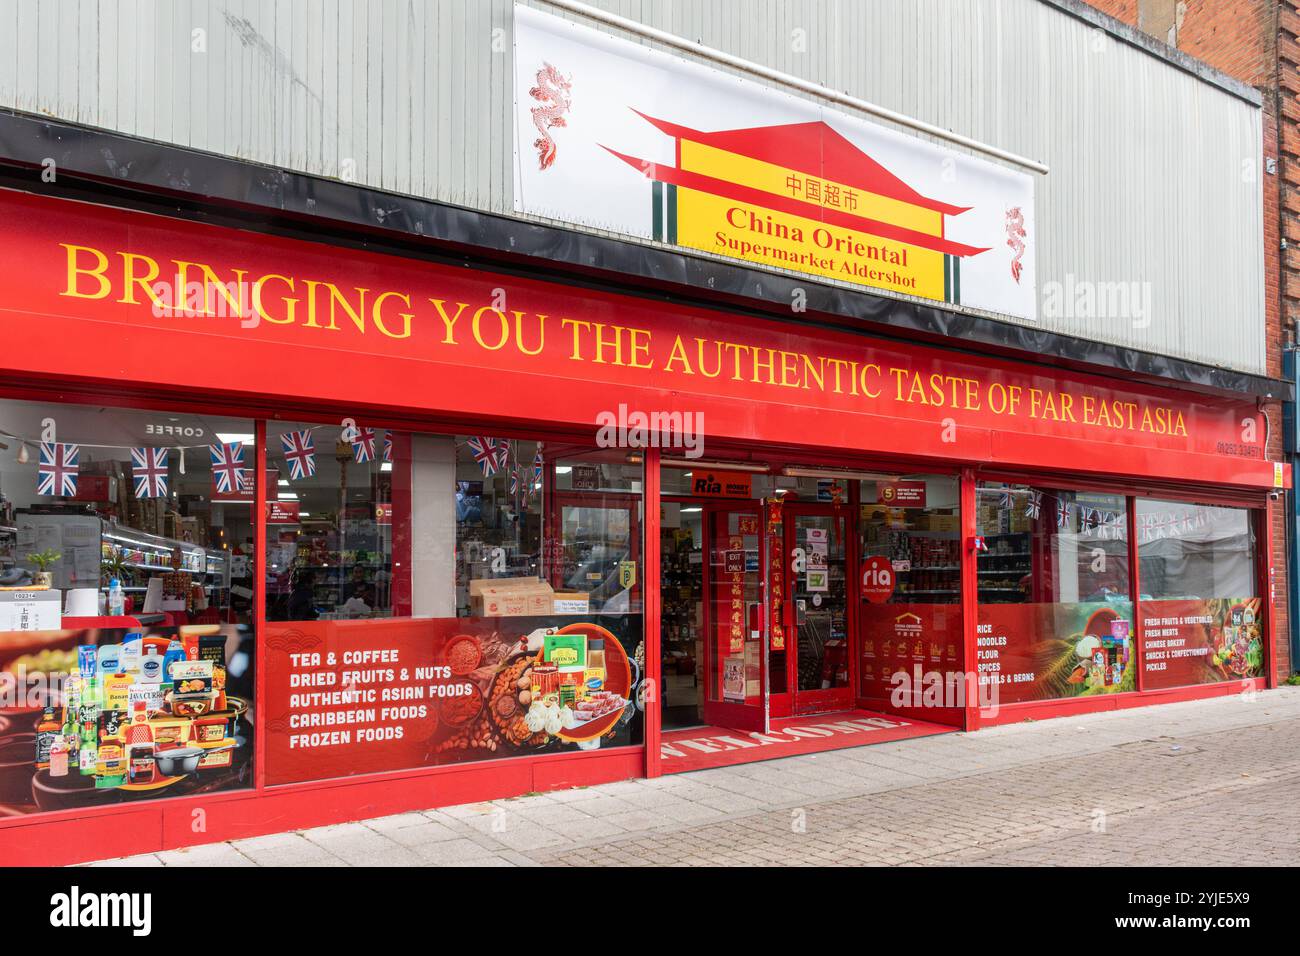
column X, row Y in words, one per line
column 818, row 619
column 734, row 618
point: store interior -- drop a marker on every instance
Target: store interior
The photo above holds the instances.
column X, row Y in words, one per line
column 835, row 521
column 179, row 547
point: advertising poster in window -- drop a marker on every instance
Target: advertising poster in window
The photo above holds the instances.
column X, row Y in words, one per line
column 1201, row 641
column 92, row 718
column 898, row 637
column 349, row 697
column 1047, row 651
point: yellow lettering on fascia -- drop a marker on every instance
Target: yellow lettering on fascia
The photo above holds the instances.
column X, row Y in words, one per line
column 770, row 178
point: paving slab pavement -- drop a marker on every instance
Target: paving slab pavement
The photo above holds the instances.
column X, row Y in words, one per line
column 1212, row 782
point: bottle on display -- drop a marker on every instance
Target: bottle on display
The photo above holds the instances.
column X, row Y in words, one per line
column 59, row 757
column 151, row 666
column 116, row 598
column 140, row 748
column 47, row 732
column 175, row 652
column 132, row 648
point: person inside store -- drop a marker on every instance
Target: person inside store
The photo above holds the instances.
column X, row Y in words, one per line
column 302, row 599
column 360, row 603
column 357, row 585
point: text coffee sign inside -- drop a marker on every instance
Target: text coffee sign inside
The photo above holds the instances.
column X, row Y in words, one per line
column 614, row 135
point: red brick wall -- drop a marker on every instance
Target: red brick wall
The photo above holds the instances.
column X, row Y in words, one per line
column 1125, row 10
column 1255, row 41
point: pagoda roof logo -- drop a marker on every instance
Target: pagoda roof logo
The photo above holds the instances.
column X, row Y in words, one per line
column 808, row 170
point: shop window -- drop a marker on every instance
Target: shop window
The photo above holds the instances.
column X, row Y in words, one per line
column 1055, row 613
column 1201, row 612
column 494, row 584
column 126, row 594
column 910, row 587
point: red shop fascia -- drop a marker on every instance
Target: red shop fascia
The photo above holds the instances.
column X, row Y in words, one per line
column 456, row 339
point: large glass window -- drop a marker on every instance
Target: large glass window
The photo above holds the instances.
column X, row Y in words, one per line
column 492, row 585
column 910, row 600
column 1201, row 612
column 126, row 594
column 1055, row 614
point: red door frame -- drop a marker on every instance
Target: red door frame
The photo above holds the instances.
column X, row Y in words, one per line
column 721, row 713
column 836, row 699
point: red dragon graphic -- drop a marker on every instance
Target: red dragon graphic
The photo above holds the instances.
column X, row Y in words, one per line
column 1016, row 239
column 553, row 92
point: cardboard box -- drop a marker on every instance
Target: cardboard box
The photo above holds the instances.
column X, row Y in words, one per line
column 510, row 597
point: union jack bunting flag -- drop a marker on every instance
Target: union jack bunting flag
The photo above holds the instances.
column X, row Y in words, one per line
column 1087, row 519
column 56, row 473
column 228, row 467
column 363, row 446
column 537, row 464
column 1006, row 499
column 388, row 446
column 299, row 454
column 489, row 455
column 1063, row 509
column 149, row 469
column 514, row 481
column 1034, row 506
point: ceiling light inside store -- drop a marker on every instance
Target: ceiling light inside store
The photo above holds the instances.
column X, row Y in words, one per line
column 386, row 466
column 719, row 465
column 229, row 438
column 799, row 471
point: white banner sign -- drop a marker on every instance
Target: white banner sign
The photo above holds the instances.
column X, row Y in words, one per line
column 612, row 135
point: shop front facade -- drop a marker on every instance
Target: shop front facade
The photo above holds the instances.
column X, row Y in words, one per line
column 438, row 534
column 651, row 410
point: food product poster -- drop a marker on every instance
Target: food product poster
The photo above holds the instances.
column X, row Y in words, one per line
column 1201, row 641
column 1047, row 651
column 897, row 637
column 349, row 697
column 72, row 736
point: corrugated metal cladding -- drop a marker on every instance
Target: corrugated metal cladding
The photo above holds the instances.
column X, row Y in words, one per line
column 1155, row 175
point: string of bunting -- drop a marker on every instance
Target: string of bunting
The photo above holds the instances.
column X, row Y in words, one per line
column 1151, row 525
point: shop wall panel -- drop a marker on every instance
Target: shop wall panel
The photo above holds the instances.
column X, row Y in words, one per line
column 416, row 98
column 169, row 824
column 102, row 836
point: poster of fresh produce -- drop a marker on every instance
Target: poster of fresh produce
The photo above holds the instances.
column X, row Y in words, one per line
column 348, row 697
column 92, row 717
column 1201, row 641
column 1046, row 651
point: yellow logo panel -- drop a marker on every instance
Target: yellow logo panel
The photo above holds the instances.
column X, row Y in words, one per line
column 745, row 231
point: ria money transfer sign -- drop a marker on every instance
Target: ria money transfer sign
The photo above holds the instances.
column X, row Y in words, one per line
column 616, row 136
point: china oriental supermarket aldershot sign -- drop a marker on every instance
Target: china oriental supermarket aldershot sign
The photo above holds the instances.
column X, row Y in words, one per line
column 111, row 295
column 616, row 136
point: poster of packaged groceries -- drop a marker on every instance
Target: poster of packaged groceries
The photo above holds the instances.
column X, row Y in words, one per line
column 91, row 717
